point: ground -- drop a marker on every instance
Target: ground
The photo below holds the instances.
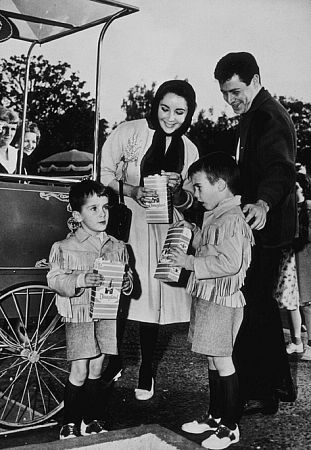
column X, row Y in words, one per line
column 181, row 394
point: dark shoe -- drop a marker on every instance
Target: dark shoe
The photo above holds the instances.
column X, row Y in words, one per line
column 69, row 430
column 270, row 405
column 94, row 427
column 207, row 423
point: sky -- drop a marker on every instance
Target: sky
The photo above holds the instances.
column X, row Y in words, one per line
column 182, row 39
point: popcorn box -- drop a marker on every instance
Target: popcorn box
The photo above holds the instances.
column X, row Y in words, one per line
column 105, row 299
column 160, row 211
column 176, row 237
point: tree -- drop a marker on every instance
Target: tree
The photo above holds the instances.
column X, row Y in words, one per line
column 301, row 115
column 138, row 102
column 56, row 101
column 212, row 135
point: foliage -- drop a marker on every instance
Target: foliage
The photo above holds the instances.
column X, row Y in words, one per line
column 138, row 102
column 301, row 115
column 56, row 102
column 212, row 135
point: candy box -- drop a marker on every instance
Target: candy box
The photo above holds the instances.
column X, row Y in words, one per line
column 160, row 211
column 105, row 299
column 176, row 237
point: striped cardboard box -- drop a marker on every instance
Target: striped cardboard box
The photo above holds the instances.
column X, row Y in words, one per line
column 162, row 210
column 105, row 299
column 176, row 237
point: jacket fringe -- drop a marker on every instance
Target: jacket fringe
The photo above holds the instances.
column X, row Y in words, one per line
column 225, row 290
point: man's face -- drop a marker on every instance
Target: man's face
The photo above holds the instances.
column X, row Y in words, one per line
column 7, row 132
column 238, row 94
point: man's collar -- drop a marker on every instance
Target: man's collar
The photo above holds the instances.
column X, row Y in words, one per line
column 261, row 97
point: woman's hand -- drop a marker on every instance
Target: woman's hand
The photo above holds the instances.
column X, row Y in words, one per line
column 143, row 196
column 174, row 180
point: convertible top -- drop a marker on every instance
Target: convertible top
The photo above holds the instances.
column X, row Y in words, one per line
column 41, row 21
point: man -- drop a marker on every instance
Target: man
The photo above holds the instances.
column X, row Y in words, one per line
column 8, row 154
column 266, row 154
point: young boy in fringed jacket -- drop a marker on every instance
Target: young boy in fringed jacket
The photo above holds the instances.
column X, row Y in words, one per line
column 72, row 277
column 223, row 253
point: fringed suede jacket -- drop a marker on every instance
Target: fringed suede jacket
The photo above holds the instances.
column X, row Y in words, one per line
column 74, row 256
column 223, row 254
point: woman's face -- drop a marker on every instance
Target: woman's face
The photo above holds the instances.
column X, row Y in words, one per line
column 172, row 112
column 30, row 142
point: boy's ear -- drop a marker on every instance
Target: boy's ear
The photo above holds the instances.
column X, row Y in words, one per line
column 221, row 184
column 77, row 216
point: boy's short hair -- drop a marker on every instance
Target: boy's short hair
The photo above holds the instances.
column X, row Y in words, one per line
column 242, row 64
column 218, row 165
column 79, row 192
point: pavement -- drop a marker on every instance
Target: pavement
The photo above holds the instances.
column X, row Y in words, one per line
column 181, row 394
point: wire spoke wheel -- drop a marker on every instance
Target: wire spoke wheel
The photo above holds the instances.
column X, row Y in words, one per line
column 33, row 366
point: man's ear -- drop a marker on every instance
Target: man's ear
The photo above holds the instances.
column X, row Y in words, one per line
column 221, row 185
column 77, row 216
column 256, row 80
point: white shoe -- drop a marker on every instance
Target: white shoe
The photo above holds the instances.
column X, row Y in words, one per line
column 294, row 348
column 200, row 426
column 144, row 394
column 222, row 438
column 307, row 354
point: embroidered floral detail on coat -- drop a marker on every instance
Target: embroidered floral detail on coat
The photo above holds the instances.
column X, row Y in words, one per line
column 130, row 153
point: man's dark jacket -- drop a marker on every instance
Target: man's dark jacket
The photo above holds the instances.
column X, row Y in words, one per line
column 267, row 164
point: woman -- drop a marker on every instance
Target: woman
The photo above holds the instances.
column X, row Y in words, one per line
column 134, row 150
column 8, row 154
column 31, row 141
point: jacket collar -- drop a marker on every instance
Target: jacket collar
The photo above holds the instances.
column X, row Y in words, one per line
column 82, row 235
column 224, row 206
column 262, row 96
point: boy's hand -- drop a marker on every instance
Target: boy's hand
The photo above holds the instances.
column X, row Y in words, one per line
column 178, row 257
column 92, row 279
column 183, row 223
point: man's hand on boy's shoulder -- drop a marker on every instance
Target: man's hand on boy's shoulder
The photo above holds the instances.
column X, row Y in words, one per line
column 256, row 214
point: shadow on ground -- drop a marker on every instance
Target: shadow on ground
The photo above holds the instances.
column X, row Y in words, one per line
column 181, row 394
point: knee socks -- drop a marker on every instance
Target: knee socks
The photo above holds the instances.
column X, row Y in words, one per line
column 94, row 404
column 215, row 402
column 148, row 340
column 229, row 386
column 73, row 404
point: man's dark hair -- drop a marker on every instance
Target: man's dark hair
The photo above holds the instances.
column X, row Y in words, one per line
column 79, row 192
column 242, row 64
column 218, row 165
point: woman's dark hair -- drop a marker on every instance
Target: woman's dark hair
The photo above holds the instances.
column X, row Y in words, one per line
column 218, row 165
column 242, row 64
column 178, row 87
column 79, row 192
